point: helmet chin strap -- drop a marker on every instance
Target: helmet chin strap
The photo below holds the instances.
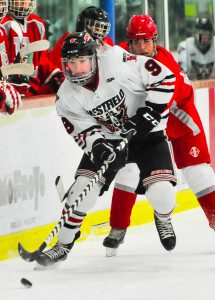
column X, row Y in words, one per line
column 155, row 47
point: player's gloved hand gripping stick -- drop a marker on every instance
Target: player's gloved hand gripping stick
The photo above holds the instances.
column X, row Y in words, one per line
column 31, row 256
column 143, row 122
column 127, row 136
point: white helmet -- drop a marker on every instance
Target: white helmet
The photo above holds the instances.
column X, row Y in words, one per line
column 3, row 8
column 21, row 9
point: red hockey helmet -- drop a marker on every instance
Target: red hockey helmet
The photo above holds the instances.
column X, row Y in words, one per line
column 141, row 26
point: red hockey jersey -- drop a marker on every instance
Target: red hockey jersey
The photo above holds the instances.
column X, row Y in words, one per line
column 33, row 30
column 184, row 118
column 4, row 47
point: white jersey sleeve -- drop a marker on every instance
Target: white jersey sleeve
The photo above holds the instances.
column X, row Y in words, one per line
column 126, row 83
column 182, row 55
column 148, row 74
column 76, row 120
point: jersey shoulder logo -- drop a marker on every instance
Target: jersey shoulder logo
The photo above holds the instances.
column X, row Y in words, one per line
column 129, row 57
column 72, row 40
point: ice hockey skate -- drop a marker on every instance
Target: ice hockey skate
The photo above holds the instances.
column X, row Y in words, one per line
column 166, row 233
column 51, row 258
column 113, row 240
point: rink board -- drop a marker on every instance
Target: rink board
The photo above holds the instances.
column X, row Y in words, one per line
column 96, row 223
column 41, row 150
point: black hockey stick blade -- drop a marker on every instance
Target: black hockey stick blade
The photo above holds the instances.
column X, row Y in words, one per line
column 30, row 256
column 62, row 195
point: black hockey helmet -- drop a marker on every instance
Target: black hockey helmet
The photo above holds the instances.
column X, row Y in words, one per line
column 78, row 45
column 95, row 21
column 203, row 34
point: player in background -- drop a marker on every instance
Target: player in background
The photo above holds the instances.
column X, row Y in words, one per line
column 3, row 36
column 8, row 94
column 47, row 76
column 95, row 21
column 184, row 130
column 102, row 96
column 196, row 55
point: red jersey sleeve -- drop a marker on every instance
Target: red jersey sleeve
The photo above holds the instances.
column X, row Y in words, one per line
column 124, row 45
column 4, row 46
column 108, row 40
column 55, row 53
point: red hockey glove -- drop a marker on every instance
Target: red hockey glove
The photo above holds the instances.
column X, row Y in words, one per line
column 10, row 97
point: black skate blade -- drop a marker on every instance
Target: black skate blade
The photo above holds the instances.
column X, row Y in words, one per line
column 30, row 256
column 39, row 267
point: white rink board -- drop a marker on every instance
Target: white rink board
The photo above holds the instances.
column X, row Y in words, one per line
column 35, row 150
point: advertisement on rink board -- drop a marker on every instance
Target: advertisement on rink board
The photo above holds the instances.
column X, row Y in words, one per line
column 36, row 149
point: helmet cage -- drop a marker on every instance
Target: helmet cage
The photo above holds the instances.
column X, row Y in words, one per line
column 98, row 29
column 83, row 79
column 4, row 8
column 19, row 12
column 202, row 44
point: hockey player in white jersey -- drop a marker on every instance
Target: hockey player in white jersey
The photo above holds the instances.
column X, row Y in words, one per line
column 196, row 55
column 101, row 97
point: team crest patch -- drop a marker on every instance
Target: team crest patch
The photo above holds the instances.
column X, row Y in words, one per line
column 72, row 40
column 87, row 37
column 129, row 57
column 194, row 152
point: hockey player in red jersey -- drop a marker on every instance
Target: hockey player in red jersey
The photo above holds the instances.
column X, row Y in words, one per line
column 184, row 129
column 3, row 35
column 95, row 21
column 8, row 95
column 32, row 28
column 104, row 95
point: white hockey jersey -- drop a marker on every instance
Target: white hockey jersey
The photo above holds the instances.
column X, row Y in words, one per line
column 125, row 83
column 196, row 64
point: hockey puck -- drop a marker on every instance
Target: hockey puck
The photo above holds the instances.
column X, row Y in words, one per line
column 26, row 283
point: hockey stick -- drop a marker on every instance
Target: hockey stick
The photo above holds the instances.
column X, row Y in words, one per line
column 62, row 194
column 31, row 256
column 17, row 28
column 36, row 46
column 60, row 189
column 19, row 68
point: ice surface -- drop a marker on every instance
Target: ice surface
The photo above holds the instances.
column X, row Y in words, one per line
column 142, row 269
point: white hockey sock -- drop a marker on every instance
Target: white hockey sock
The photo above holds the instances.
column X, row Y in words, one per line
column 161, row 195
column 201, row 179
column 72, row 226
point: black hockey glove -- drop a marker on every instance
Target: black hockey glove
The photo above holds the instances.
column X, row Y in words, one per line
column 103, row 149
column 144, row 121
column 55, row 81
column 21, row 84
